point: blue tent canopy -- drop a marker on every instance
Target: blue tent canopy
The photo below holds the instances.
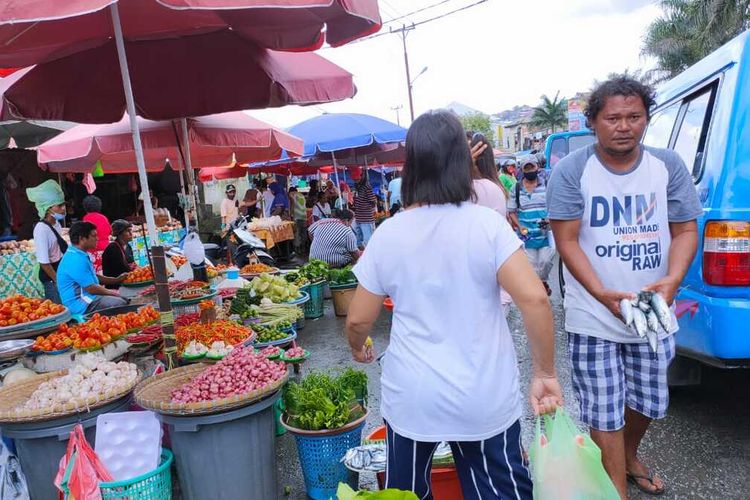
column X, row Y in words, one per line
column 333, row 132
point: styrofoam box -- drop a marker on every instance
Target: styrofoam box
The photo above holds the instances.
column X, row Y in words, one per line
column 128, row 443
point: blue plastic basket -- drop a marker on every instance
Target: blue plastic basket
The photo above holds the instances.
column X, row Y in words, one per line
column 314, row 306
column 320, row 457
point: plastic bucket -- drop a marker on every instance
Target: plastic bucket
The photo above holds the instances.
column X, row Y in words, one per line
column 320, row 455
column 342, row 297
column 444, row 481
column 41, row 445
column 226, row 455
column 314, row 306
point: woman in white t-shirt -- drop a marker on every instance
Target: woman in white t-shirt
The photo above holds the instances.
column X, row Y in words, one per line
column 450, row 372
column 49, row 245
column 321, row 209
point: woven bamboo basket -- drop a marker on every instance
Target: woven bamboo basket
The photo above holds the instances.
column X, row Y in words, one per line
column 155, row 394
column 15, row 395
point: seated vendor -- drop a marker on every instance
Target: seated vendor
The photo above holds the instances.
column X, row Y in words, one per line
column 118, row 256
column 333, row 240
column 77, row 281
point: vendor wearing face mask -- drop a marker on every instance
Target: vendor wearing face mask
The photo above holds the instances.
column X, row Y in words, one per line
column 527, row 209
column 49, row 245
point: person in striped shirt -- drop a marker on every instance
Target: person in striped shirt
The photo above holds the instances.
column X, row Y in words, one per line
column 527, row 209
column 333, row 240
column 364, row 210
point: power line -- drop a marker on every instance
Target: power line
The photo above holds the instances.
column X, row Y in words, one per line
column 417, row 11
column 414, row 25
column 388, row 10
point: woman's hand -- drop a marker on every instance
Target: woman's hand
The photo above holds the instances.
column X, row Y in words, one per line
column 364, row 355
column 477, row 149
column 545, row 394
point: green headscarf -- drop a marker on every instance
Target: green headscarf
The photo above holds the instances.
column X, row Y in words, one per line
column 45, row 195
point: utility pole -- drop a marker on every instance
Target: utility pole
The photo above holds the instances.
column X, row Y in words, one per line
column 404, row 31
column 397, row 109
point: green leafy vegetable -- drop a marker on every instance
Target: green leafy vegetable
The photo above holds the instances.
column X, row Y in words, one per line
column 315, row 270
column 343, row 276
column 322, row 401
column 345, row 492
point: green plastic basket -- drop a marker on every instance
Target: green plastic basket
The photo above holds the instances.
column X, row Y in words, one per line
column 154, row 485
column 314, row 306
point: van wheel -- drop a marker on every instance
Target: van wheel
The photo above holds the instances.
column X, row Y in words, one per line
column 684, row 372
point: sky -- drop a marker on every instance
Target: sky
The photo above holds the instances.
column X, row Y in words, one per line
column 491, row 57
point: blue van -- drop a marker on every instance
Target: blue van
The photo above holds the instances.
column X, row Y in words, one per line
column 561, row 144
column 704, row 115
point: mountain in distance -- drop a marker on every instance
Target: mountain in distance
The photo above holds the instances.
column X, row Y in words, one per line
column 462, row 109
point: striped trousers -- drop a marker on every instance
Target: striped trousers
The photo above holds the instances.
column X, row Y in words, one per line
column 489, row 469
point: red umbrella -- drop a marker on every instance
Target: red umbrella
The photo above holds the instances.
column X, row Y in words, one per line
column 191, row 76
column 222, row 173
column 214, row 140
column 48, row 30
column 42, row 30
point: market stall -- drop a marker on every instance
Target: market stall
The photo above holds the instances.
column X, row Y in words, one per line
column 169, row 235
column 201, row 404
column 19, row 269
column 273, row 234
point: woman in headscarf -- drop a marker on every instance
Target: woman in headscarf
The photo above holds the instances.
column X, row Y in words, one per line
column 49, row 246
column 280, row 203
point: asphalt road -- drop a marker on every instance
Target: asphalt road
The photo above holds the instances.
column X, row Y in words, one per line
column 701, row 450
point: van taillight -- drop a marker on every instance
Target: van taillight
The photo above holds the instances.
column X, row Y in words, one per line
column 726, row 253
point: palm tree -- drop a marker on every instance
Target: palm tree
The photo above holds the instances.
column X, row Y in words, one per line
column 691, row 29
column 550, row 114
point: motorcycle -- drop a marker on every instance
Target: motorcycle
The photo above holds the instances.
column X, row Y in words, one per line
column 244, row 246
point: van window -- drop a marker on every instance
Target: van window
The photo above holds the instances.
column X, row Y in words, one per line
column 580, row 141
column 688, row 144
column 660, row 128
column 557, row 150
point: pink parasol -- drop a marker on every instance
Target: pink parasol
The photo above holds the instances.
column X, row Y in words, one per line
column 37, row 31
column 190, row 76
column 51, row 31
column 234, row 172
column 214, row 140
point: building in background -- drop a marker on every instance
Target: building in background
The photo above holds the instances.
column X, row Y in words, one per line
column 576, row 107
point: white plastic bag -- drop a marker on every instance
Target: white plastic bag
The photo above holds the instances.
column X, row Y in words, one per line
column 12, row 481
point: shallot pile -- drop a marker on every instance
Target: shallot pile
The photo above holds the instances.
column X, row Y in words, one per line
column 91, row 379
column 294, row 353
column 241, row 372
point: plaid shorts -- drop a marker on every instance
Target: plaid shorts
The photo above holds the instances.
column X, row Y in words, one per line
column 608, row 375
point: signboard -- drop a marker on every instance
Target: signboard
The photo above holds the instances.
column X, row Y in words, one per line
column 576, row 118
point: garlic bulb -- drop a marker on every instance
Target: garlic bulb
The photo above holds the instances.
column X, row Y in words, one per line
column 91, row 379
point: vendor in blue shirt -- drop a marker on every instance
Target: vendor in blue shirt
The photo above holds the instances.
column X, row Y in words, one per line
column 77, row 282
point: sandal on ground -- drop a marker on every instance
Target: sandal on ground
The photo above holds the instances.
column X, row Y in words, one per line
column 634, row 478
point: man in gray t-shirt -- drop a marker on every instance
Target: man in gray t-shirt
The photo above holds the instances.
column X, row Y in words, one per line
column 623, row 216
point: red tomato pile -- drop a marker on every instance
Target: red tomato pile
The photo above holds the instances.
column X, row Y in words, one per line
column 96, row 332
column 140, row 275
column 18, row 309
